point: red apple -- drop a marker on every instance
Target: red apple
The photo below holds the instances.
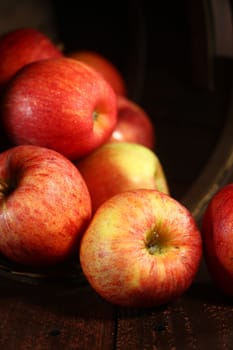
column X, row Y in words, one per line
column 45, row 206
column 141, row 249
column 20, row 47
column 121, row 166
column 104, row 66
column 217, row 231
column 60, row 104
column 133, row 124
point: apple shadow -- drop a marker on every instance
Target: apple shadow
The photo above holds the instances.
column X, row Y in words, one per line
column 69, row 293
column 63, row 290
column 208, row 293
column 69, row 301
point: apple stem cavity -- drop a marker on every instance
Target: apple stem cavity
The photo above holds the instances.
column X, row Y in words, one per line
column 95, row 115
column 153, row 242
column 4, row 189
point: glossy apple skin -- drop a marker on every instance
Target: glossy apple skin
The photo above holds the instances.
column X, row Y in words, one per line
column 45, row 206
column 133, row 124
column 217, row 232
column 20, row 47
column 141, row 249
column 104, row 66
column 60, row 104
column 122, row 166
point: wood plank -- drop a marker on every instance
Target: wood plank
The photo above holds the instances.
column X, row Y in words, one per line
column 201, row 319
column 39, row 318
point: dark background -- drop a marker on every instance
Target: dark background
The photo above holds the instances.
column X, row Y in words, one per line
column 163, row 52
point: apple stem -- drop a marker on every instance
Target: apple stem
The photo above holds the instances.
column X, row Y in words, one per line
column 152, row 243
column 95, row 115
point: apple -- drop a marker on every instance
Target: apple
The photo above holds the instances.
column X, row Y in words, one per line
column 217, row 233
column 121, row 166
column 61, row 104
column 142, row 248
column 104, row 66
column 45, row 206
column 133, row 124
column 20, row 47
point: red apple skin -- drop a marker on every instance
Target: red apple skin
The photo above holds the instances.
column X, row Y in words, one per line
column 217, row 236
column 141, row 249
column 45, row 206
column 104, row 66
column 60, row 104
column 133, row 124
column 118, row 167
column 20, row 47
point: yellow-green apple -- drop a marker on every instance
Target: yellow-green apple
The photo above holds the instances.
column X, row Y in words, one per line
column 121, row 166
column 217, row 232
column 60, row 104
column 142, row 248
column 104, row 66
column 133, row 124
column 45, row 206
column 20, row 47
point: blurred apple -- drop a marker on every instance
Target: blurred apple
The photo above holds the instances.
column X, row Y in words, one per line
column 20, row 47
column 60, row 104
column 104, row 66
column 141, row 249
column 45, row 206
column 133, row 124
column 217, row 232
column 118, row 167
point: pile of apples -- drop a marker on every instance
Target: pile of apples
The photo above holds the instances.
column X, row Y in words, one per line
column 79, row 176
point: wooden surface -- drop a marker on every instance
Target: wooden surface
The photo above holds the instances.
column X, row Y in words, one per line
column 192, row 122
column 41, row 318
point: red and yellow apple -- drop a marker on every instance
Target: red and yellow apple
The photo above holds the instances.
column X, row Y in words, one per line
column 121, row 166
column 142, row 248
column 217, row 233
column 22, row 46
column 133, row 124
column 45, row 206
column 104, row 66
column 60, row 104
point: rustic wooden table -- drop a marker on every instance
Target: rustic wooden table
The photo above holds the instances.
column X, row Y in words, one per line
column 45, row 318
